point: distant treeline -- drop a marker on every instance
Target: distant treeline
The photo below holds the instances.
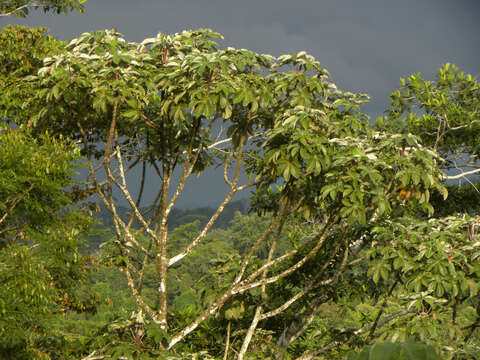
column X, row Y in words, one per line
column 177, row 218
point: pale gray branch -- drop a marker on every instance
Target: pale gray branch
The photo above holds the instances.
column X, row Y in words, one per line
column 462, row 174
column 29, row 4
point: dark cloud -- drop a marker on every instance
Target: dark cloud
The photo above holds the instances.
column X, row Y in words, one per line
column 366, row 45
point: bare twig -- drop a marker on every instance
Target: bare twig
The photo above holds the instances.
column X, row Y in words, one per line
column 227, row 344
column 92, row 356
column 382, row 308
column 9, row 210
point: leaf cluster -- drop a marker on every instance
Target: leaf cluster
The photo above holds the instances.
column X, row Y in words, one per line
column 20, row 8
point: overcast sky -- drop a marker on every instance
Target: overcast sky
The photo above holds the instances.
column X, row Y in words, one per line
column 366, row 45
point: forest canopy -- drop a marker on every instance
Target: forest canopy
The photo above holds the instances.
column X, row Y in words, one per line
column 349, row 243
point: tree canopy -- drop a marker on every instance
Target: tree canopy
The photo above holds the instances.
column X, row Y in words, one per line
column 444, row 113
column 41, row 230
column 345, row 222
column 20, row 8
column 40, row 240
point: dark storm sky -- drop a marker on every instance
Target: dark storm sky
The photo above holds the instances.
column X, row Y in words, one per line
column 366, row 45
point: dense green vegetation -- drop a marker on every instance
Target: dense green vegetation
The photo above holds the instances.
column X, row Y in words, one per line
column 41, row 237
column 350, row 244
column 21, row 8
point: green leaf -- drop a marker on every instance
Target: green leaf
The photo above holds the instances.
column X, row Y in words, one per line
column 133, row 114
column 56, row 92
column 228, row 111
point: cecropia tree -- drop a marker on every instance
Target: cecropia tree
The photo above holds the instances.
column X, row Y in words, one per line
column 161, row 106
column 444, row 113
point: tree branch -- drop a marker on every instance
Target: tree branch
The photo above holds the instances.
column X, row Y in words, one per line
column 463, row 174
column 249, row 335
column 382, row 308
column 311, row 285
column 240, row 286
column 29, row 4
column 321, row 239
column 188, row 167
column 382, row 322
column 215, row 216
column 227, row 345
